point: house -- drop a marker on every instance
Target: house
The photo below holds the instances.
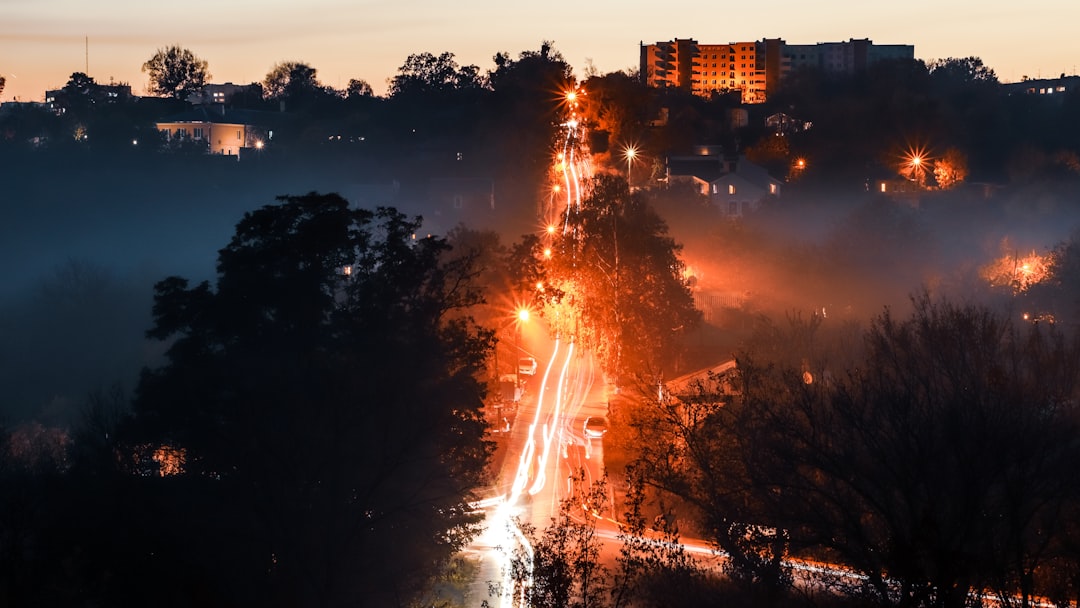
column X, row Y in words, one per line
column 223, row 131
column 211, row 94
column 734, row 185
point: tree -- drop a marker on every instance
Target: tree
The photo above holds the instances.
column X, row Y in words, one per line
column 961, row 70
column 425, row 74
column 293, row 82
column 527, row 103
column 324, row 402
column 934, row 461
column 561, row 567
column 3, row 81
column 619, row 273
column 950, row 170
column 358, row 88
column 176, row 72
column 617, row 107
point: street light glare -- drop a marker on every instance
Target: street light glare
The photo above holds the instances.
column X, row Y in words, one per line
column 523, row 314
column 630, row 153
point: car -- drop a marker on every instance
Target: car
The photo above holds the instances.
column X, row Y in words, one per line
column 527, row 366
column 595, row 427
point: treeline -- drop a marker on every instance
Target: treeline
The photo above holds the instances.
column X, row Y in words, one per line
column 313, row 437
column 456, row 119
column 932, row 456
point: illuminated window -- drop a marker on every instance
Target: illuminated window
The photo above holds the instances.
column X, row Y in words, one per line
column 731, row 189
column 715, row 189
column 772, row 188
column 883, row 186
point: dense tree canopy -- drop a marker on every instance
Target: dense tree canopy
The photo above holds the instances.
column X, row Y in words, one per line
column 296, row 84
column 426, row 74
column 328, row 394
column 176, row 72
column 617, row 270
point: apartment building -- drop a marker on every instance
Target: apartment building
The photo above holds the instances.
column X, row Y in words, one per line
column 703, row 69
column 756, row 68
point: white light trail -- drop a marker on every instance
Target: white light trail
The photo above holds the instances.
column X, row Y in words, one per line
column 554, row 422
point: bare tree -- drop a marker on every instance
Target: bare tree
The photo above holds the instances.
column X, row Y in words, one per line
column 935, row 465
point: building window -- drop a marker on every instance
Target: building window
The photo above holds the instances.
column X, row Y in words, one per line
column 733, row 208
column 715, row 189
column 772, row 188
column 238, row 136
column 731, row 188
column 883, row 186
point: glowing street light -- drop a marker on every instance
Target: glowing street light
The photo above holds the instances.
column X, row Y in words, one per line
column 915, row 163
column 630, row 153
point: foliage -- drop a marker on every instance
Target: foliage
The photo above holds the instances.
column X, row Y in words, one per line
column 327, row 394
column 295, row 83
column 526, row 105
column 950, row 169
column 620, row 274
column 176, row 72
column 425, row 74
column 934, row 461
column 561, row 567
column 961, row 70
column 358, row 88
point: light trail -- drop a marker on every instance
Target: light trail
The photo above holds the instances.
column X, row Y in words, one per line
column 550, row 418
column 554, row 422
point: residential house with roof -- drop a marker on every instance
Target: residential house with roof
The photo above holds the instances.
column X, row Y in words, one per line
column 734, row 185
column 224, row 131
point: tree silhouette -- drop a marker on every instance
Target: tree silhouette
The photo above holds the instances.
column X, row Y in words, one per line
column 175, row 72
column 934, row 461
column 326, row 396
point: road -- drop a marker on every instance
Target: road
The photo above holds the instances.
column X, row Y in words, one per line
column 541, row 453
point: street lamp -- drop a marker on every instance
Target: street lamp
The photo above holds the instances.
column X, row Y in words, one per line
column 630, row 153
column 916, row 169
column 522, row 317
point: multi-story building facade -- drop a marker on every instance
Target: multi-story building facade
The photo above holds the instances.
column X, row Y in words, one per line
column 703, row 69
column 754, row 68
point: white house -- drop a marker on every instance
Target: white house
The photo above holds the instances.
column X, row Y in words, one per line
column 734, row 185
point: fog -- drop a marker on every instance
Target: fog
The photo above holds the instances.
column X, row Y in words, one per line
column 845, row 252
column 83, row 240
